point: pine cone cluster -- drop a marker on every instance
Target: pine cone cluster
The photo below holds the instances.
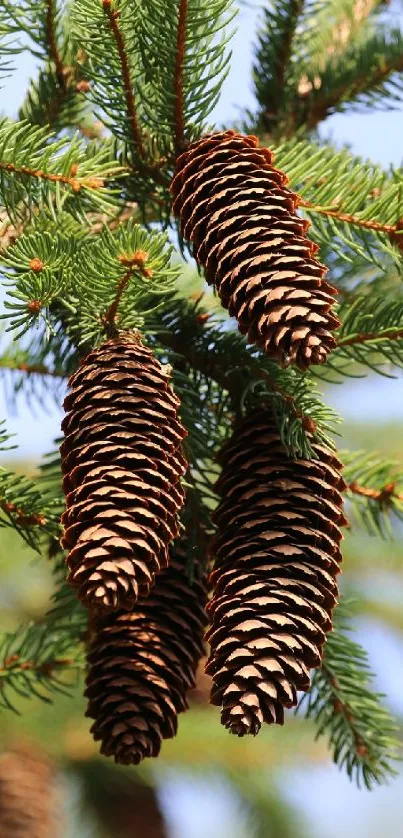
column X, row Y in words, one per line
column 142, row 663
column 236, row 210
column 122, row 465
column 277, row 555
column 28, row 796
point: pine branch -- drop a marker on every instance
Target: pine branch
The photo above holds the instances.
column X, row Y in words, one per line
column 37, row 660
column 25, row 508
column 245, row 374
column 374, row 490
column 37, row 171
column 112, row 14
column 344, row 706
column 371, row 335
column 354, row 206
column 179, row 76
column 272, row 69
column 184, row 64
column 364, row 74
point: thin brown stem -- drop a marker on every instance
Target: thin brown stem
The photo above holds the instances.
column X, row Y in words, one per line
column 30, row 369
column 109, row 318
column 368, row 224
column 323, row 106
column 113, row 20
column 16, row 663
column 345, row 710
column 76, row 183
column 178, row 77
column 21, row 517
column 382, row 496
column 52, row 43
column 387, row 334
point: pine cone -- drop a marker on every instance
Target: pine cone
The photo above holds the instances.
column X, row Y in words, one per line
column 122, row 464
column 234, row 207
column 28, row 797
column 277, row 556
column 142, row 663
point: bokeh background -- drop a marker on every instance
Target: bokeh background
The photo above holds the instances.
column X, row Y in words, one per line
column 206, row 782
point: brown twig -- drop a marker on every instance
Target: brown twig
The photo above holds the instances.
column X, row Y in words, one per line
column 321, row 108
column 382, row 496
column 15, row 662
column 76, row 183
column 389, row 334
column 52, row 43
column 368, row 224
column 178, row 76
column 345, row 710
column 133, row 262
column 113, row 20
column 36, row 369
column 21, row 518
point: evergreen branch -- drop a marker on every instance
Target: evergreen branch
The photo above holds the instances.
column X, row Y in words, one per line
column 76, row 183
column 245, row 373
column 184, row 64
column 37, row 171
column 344, row 706
column 32, row 660
column 179, row 76
column 374, row 490
column 51, row 38
column 112, row 16
column 378, row 59
column 26, row 509
column 368, row 224
column 371, row 334
column 29, row 369
column 136, row 276
column 273, row 57
column 355, row 207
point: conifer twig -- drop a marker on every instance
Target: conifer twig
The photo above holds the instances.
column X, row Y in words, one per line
column 113, row 20
column 52, row 43
column 389, row 334
column 383, row 496
column 30, row 369
column 322, row 107
column 178, row 77
column 367, row 223
column 75, row 183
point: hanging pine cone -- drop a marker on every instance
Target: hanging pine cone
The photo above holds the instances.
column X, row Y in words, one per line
column 234, row 207
column 277, row 556
column 142, row 663
column 122, row 464
column 29, row 803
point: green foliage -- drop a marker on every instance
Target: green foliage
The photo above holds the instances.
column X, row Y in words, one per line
column 375, row 491
column 338, row 182
column 136, row 288
column 185, row 61
column 346, row 708
column 221, row 354
column 38, row 172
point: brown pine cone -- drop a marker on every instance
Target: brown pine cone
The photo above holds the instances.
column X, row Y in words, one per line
column 277, row 556
column 29, row 802
column 141, row 664
column 234, row 206
column 122, row 464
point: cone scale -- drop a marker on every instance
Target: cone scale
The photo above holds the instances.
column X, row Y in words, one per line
column 142, row 663
column 234, row 207
column 277, row 556
column 122, row 464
